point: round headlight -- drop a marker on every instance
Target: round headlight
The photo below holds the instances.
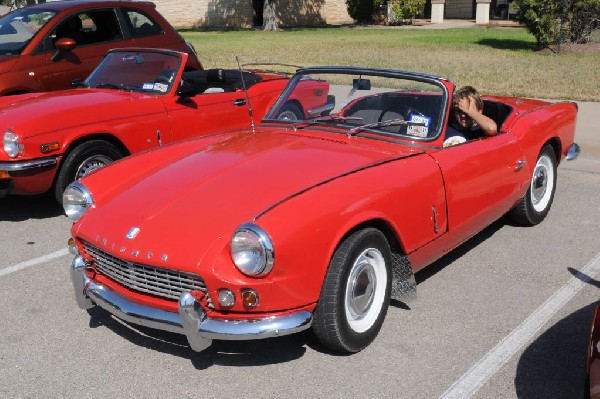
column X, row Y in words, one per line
column 252, row 250
column 76, row 200
column 11, row 143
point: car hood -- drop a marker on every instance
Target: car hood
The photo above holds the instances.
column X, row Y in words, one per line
column 33, row 114
column 185, row 196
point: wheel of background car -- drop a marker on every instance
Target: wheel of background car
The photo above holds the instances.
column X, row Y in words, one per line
column 290, row 112
column 404, row 111
column 536, row 203
column 82, row 160
column 356, row 292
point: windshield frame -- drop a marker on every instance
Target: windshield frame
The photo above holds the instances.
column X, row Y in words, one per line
column 441, row 83
column 172, row 85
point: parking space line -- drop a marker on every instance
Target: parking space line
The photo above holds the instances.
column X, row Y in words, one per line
column 484, row 369
column 33, row 262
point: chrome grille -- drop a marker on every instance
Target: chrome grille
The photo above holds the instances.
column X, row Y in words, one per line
column 164, row 283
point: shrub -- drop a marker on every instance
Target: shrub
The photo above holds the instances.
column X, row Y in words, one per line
column 547, row 19
column 541, row 18
column 585, row 20
column 362, row 10
column 406, row 9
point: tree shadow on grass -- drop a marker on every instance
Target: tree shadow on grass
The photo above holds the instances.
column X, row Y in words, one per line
column 508, row 44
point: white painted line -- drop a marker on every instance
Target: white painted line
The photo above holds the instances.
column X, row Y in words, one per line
column 33, row 262
column 480, row 373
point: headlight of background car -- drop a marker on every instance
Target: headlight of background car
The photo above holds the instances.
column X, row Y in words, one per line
column 76, row 200
column 11, row 144
column 252, row 250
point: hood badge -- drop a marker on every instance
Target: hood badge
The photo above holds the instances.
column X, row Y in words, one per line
column 133, row 232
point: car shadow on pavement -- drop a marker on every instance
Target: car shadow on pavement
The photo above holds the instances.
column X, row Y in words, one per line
column 225, row 353
column 19, row 208
column 446, row 260
column 554, row 365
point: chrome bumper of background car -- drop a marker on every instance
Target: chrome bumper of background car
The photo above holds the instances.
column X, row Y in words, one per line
column 191, row 320
column 24, row 165
column 573, row 152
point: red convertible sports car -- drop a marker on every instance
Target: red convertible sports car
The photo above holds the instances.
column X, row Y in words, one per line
column 313, row 222
column 136, row 99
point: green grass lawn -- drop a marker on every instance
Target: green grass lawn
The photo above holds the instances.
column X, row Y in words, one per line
column 495, row 60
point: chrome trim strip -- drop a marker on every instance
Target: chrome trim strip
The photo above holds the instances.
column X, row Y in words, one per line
column 191, row 320
column 573, row 152
column 24, row 165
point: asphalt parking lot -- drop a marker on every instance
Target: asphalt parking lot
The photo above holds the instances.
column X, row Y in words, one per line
column 506, row 315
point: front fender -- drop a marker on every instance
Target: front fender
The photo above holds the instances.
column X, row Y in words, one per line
column 306, row 229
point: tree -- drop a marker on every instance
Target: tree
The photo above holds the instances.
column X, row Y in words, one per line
column 270, row 20
column 555, row 21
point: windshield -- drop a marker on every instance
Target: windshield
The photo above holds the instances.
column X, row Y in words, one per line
column 147, row 71
column 18, row 27
column 389, row 103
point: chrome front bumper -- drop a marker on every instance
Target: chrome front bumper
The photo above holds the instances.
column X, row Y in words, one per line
column 25, row 165
column 191, row 320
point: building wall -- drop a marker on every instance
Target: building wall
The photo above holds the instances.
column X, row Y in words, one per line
column 239, row 13
column 459, row 9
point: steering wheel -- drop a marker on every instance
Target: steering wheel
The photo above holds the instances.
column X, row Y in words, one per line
column 395, row 111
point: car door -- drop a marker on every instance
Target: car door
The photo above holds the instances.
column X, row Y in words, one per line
column 99, row 32
column 207, row 113
column 484, row 178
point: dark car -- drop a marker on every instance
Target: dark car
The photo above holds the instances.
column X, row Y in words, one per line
column 46, row 46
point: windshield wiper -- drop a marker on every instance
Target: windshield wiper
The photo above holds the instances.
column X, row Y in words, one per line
column 326, row 118
column 389, row 122
column 114, row 86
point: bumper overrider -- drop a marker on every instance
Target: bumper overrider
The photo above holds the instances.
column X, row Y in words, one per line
column 191, row 320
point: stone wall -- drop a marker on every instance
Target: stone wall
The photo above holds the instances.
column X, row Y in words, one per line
column 239, row 13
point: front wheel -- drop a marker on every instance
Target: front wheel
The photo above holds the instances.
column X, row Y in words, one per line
column 356, row 293
column 536, row 203
column 83, row 160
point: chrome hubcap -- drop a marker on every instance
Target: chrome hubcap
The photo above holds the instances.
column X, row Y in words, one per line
column 539, row 184
column 362, row 289
column 91, row 164
column 365, row 290
column 287, row 116
column 542, row 184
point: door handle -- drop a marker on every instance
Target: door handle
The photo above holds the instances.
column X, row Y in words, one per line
column 519, row 164
column 239, row 102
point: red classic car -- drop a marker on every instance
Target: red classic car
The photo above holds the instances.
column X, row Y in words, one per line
column 309, row 222
column 135, row 100
column 44, row 47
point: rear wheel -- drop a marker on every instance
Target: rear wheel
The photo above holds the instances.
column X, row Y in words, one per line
column 83, row 160
column 290, row 112
column 356, row 292
column 536, row 203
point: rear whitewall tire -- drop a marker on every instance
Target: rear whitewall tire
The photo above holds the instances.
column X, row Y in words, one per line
column 535, row 204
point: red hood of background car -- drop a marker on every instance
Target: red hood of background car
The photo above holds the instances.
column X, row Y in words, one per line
column 184, row 196
column 31, row 114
